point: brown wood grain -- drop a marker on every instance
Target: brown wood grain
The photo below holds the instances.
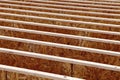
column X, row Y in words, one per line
column 60, row 11
column 88, row 73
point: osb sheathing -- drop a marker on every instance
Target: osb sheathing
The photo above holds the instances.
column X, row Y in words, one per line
column 62, row 17
column 106, row 4
column 3, row 75
column 15, row 76
column 44, row 66
column 36, row 64
column 64, row 31
column 40, row 37
column 86, row 6
column 110, row 1
column 88, row 73
column 64, row 23
column 60, row 11
column 57, row 39
column 36, row 27
column 58, row 7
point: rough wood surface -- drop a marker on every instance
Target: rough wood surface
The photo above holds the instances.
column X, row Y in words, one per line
column 62, row 17
column 88, row 73
column 3, row 75
column 60, row 11
column 15, row 76
column 63, row 23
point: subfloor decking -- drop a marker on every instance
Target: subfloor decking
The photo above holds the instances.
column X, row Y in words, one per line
column 75, row 38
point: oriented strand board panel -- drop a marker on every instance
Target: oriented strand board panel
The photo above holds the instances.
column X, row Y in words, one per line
column 65, row 11
column 3, row 75
column 15, row 76
column 88, row 73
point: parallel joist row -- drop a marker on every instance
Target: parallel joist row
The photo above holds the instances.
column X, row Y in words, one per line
column 61, row 10
column 77, row 5
column 113, row 2
column 66, row 26
column 69, row 8
column 36, row 73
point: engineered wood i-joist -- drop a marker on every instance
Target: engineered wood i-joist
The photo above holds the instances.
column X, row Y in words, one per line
column 58, row 6
column 86, row 13
column 63, row 22
column 60, row 16
column 61, row 29
column 61, row 7
column 88, row 2
column 80, row 5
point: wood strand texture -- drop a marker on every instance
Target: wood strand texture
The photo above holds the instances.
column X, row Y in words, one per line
column 40, row 15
